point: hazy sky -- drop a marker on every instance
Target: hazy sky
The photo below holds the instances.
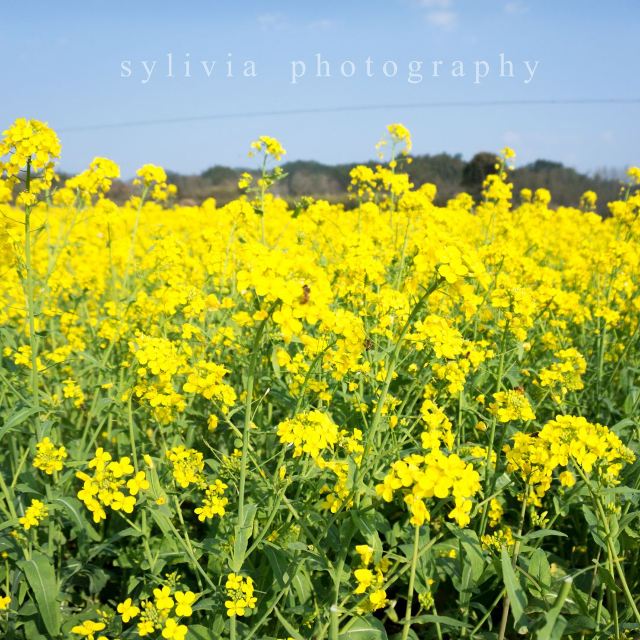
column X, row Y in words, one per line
column 80, row 63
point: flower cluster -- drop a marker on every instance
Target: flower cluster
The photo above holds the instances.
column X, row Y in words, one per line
column 187, row 466
column 34, row 514
column 160, row 613
column 32, row 144
column 49, row 458
column 106, row 487
column 269, row 146
column 314, row 433
column 370, row 579
column 565, row 374
column 434, row 475
column 153, row 180
column 88, row 629
column 399, row 138
column 498, row 539
column 240, row 596
column 511, row 405
column 94, row 182
column 566, row 442
column 214, row 501
column 311, row 433
column 207, row 379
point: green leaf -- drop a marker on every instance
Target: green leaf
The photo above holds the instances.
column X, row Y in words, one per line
column 540, row 572
column 473, row 554
column 243, row 533
column 31, row 631
column 302, row 586
column 443, row 620
column 17, row 419
column 289, row 628
column 517, row 596
column 161, row 517
column 369, row 524
column 279, row 561
column 594, row 527
column 502, row 482
column 74, row 509
column 200, row 632
column 368, row 628
column 41, row 577
column 622, row 425
column 554, row 625
column 543, row 533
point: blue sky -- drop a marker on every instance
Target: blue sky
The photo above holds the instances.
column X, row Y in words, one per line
column 67, row 61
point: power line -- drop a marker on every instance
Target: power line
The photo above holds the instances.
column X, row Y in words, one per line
column 453, row 104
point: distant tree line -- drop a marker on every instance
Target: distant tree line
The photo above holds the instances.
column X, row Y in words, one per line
column 450, row 173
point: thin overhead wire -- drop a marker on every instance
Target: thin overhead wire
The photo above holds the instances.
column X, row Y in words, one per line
column 448, row 104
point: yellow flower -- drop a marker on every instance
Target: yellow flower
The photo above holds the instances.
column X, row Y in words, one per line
column 174, row 631
column 567, row 440
column 269, row 146
column 235, row 607
column 95, row 181
column 187, row 464
column 33, row 143
column 120, row 502
column 245, row 180
column 34, row 514
column 370, row 581
column 378, row 599
column 495, row 512
column 138, row 483
column 49, row 458
column 240, row 595
column 365, row 579
column 88, row 629
column 511, row 405
column 127, row 610
column 184, row 600
column 432, row 475
column 214, row 502
column 634, row 174
column 145, row 627
column 309, row 433
column 163, row 599
column 567, row 479
column 366, row 554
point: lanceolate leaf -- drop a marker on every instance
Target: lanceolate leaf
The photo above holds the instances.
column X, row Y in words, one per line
column 517, row 596
column 40, row 575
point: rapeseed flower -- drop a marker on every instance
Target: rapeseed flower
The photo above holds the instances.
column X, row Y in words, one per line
column 34, row 514
column 49, row 458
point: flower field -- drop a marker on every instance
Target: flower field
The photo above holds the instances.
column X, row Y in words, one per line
column 303, row 420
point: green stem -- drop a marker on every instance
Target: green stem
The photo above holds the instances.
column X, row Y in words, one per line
column 134, row 235
column 492, row 433
column 334, row 628
column 412, row 579
column 8, row 496
column 614, row 561
column 488, row 613
column 514, row 561
column 375, row 422
column 30, row 286
column 255, row 354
